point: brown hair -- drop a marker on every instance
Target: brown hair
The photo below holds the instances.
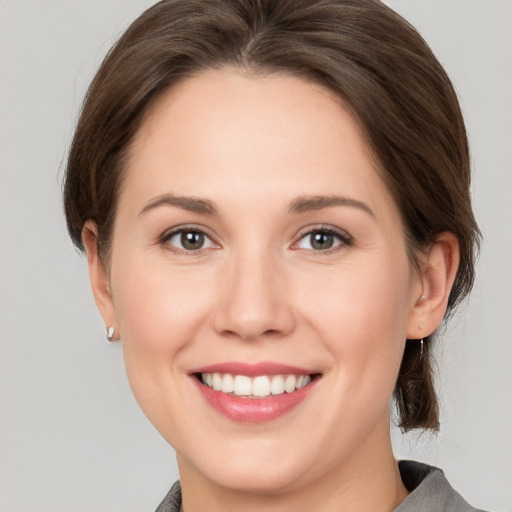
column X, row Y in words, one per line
column 373, row 59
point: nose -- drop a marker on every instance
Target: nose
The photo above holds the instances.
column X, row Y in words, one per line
column 254, row 302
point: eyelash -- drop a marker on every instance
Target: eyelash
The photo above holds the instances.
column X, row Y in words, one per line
column 165, row 238
column 345, row 239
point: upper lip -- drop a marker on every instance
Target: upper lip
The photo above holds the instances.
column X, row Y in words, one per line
column 253, row 369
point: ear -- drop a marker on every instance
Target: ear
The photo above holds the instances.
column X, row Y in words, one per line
column 435, row 281
column 98, row 275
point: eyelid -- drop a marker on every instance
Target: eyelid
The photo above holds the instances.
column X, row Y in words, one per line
column 345, row 238
column 169, row 233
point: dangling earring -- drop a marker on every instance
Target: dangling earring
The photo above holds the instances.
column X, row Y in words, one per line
column 421, row 342
column 110, row 334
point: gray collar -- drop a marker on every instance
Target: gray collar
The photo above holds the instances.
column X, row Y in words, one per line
column 428, row 487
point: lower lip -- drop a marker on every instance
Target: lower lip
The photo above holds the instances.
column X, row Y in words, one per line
column 253, row 410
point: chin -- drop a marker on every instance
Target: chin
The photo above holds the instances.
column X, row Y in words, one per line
column 272, row 479
column 250, row 467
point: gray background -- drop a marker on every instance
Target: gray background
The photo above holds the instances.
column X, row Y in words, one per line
column 72, row 437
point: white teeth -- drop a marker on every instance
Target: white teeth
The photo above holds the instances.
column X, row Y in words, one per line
column 303, row 380
column 217, row 382
column 243, row 385
column 228, row 384
column 261, row 386
column 290, row 383
column 277, row 385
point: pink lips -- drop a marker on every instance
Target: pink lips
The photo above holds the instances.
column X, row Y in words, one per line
column 252, row 410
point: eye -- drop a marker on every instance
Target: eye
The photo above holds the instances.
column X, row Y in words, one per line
column 188, row 240
column 323, row 239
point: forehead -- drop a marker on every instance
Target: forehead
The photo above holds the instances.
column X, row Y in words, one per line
column 217, row 132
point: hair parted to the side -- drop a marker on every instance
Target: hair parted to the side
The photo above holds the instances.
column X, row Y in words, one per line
column 377, row 64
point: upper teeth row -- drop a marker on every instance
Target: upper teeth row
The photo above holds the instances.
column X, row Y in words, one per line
column 264, row 385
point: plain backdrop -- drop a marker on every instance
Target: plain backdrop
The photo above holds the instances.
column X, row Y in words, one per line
column 72, row 436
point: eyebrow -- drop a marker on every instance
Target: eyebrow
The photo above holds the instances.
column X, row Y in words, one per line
column 191, row 204
column 309, row 203
column 297, row 206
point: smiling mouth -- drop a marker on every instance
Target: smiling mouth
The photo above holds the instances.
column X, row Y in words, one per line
column 260, row 386
column 254, row 392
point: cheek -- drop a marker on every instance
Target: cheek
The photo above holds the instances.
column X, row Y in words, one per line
column 357, row 301
column 159, row 311
column 362, row 313
column 155, row 302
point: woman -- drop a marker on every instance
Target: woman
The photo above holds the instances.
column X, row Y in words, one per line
column 274, row 201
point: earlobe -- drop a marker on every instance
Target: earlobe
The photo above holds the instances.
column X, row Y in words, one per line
column 98, row 275
column 438, row 272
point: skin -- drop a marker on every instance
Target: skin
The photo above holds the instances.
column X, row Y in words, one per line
column 258, row 291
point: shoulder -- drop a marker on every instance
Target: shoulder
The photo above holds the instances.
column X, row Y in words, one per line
column 430, row 490
column 172, row 501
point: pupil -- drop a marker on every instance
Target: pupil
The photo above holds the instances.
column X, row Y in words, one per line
column 192, row 240
column 322, row 240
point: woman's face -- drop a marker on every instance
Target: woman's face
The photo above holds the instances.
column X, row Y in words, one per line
column 257, row 249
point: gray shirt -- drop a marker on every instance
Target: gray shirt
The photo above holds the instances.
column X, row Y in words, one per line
column 430, row 492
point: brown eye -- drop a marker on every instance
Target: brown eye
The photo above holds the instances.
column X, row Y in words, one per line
column 323, row 240
column 189, row 240
column 192, row 240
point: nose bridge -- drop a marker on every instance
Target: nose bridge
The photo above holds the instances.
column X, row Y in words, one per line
column 254, row 302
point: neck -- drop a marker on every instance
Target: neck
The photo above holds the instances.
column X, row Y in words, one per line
column 366, row 480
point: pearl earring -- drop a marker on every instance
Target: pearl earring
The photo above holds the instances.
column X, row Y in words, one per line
column 110, row 333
